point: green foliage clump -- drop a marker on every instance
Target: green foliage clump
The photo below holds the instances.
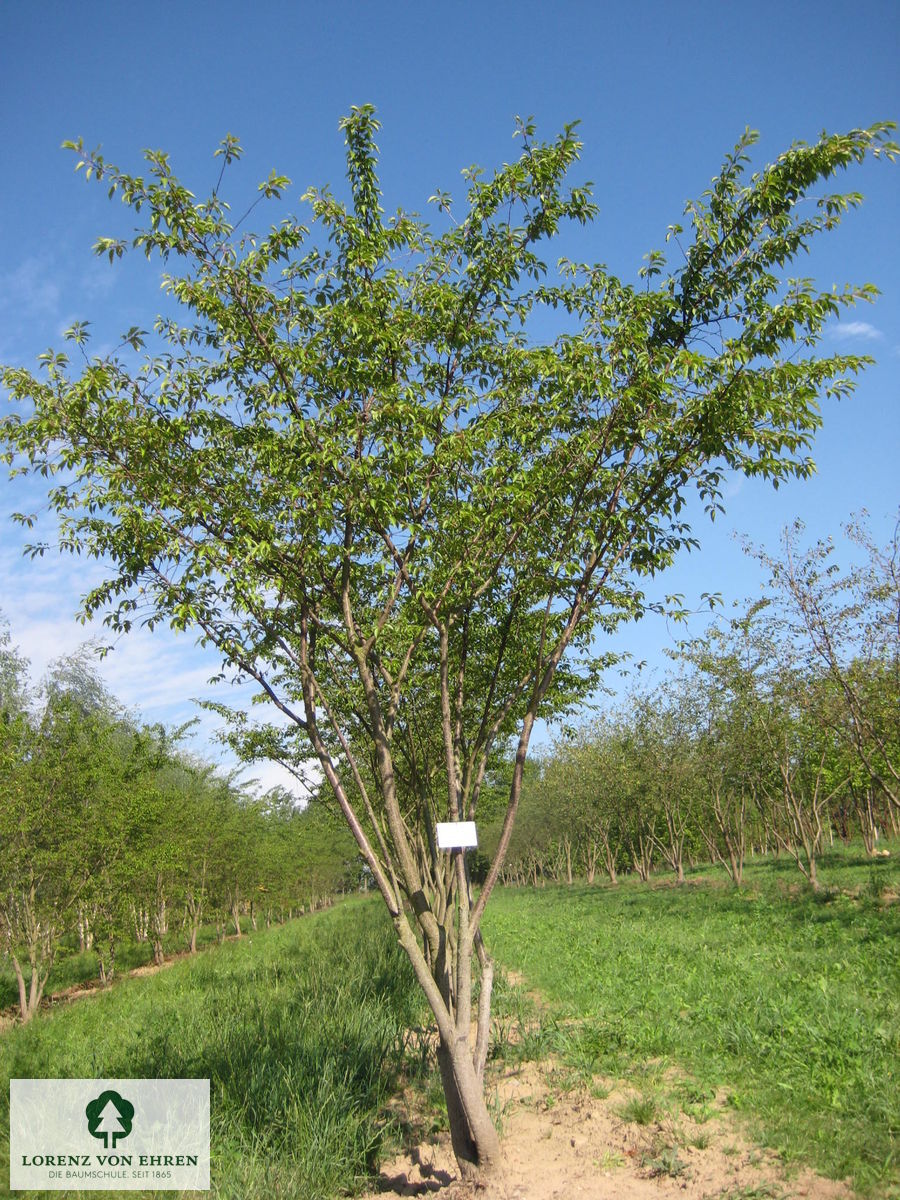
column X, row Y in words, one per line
column 114, row 840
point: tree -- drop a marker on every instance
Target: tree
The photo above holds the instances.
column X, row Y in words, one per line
column 540, row 823
column 26, row 926
column 586, row 773
column 111, row 830
column 778, row 746
column 848, row 625
column 666, row 770
column 360, row 472
column 727, row 736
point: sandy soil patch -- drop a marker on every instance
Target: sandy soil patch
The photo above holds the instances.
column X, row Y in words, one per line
column 577, row 1146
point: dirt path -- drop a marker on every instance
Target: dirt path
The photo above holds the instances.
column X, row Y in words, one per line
column 578, row 1146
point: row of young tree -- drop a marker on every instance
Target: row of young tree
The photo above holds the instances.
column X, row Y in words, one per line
column 776, row 732
column 110, row 831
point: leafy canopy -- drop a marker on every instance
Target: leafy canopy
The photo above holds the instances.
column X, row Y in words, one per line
column 359, row 470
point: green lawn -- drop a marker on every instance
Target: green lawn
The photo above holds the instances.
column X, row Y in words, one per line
column 790, row 1001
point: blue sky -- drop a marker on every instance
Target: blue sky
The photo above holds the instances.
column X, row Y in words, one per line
column 662, row 92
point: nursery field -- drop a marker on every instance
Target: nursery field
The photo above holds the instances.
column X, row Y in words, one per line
column 785, row 1002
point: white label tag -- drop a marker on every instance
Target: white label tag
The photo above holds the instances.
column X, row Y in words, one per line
column 94, row 1134
column 453, row 834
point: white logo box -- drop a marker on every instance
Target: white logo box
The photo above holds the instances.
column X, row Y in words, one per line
column 147, row 1134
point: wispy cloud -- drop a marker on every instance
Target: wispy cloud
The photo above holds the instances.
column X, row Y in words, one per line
column 861, row 330
column 98, row 280
column 266, row 775
column 30, row 289
column 733, row 485
column 157, row 676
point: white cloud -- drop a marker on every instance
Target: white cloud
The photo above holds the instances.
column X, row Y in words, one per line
column 29, row 290
column 98, row 280
column 857, row 329
column 157, row 672
column 156, row 675
column 733, row 485
column 267, row 775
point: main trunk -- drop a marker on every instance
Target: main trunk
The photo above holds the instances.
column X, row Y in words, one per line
column 472, row 1133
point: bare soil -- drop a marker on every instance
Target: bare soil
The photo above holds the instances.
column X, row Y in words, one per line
column 576, row 1145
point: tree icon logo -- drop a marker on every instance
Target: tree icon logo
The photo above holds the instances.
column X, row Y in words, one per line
column 109, row 1117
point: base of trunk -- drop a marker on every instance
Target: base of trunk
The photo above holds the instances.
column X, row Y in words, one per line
column 472, row 1134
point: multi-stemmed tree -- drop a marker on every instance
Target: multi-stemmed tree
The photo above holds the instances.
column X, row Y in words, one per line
column 360, row 471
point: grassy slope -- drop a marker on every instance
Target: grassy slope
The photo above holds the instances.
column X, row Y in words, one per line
column 790, row 1001
column 300, row 1028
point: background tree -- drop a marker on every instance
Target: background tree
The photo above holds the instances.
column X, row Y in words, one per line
column 588, row 764
column 848, row 625
column 24, row 936
column 59, row 764
column 727, row 739
column 665, row 767
column 362, row 474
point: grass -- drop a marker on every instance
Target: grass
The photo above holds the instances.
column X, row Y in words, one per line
column 789, row 1000
column 640, row 1110
column 302, row 1030
column 73, row 967
column 787, row 1003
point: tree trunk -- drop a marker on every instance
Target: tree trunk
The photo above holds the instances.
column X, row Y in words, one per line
column 449, row 994
column 39, row 936
column 30, row 1000
column 865, row 814
column 36, row 990
column 567, row 849
column 591, row 855
column 107, row 960
column 609, row 857
column 472, row 1134
column 642, row 856
column 20, row 983
column 737, row 868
